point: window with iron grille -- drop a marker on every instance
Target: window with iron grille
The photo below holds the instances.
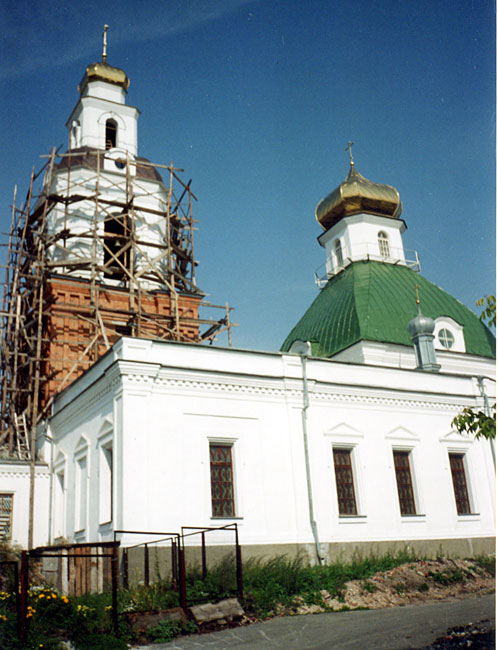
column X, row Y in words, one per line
column 344, row 481
column 6, row 502
column 460, row 484
column 404, row 482
column 222, row 501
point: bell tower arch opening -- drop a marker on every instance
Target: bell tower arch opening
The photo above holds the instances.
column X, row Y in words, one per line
column 116, row 244
column 111, row 133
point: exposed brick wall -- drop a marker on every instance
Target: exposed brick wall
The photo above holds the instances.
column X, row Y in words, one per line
column 70, row 325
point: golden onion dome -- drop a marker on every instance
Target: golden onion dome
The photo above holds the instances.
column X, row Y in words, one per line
column 357, row 194
column 104, row 72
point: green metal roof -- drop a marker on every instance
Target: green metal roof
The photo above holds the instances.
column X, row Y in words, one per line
column 374, row 301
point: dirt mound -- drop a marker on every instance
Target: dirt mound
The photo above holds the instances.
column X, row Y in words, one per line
column 409, row 583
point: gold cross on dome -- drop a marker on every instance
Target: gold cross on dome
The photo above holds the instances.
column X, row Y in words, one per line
column 416, row 293
column 104, row 43
column 351, row 161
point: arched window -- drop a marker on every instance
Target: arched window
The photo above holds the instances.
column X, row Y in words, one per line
column 116, row 252
column 338, row 252
column 111, row 133
column 383, row 244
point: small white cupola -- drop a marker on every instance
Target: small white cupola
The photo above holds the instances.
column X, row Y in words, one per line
column 101, row 119
column 361, row 221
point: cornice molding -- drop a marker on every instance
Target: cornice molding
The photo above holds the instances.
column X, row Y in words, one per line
column 354, row 395
column 20, row 474
column 153, row 378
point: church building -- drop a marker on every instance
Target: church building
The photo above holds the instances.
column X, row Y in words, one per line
column 342, row 440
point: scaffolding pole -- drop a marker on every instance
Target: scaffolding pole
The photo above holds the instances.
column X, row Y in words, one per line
column 92, row 256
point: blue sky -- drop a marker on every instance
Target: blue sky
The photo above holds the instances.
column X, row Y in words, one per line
column 257, row 100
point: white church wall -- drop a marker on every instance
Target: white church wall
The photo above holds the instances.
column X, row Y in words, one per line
column 88, row 112
column 15, row 481
column 77, row 433
column 401, row 356
column 167, row 402
column 149, row 227
column 358, row 235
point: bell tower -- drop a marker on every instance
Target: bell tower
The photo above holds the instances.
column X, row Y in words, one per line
column 103, row 247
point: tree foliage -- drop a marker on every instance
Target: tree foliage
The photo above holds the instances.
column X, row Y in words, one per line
column 488, row 313
column 477, row 423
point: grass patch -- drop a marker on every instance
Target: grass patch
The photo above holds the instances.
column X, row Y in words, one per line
column 168, row 630
column 448, row 577
column 140, row 598
column 368, row 586
column 280, row 579
column 487, row 562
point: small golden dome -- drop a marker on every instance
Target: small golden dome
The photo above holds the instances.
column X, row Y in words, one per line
column 357, row 194
column 104, row 72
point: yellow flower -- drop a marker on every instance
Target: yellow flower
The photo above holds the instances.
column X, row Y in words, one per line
column 65, row 599
column 41, row 596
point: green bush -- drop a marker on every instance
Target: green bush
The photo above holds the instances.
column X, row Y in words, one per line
column 167, row 630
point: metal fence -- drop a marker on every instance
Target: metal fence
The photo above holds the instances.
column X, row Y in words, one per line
column 81, row 568
column 203, row 531
column 77, row 569
column 178, row 577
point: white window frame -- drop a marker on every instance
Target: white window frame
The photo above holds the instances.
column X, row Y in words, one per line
column 447, row 323
column 344, row 436
column 454, row 443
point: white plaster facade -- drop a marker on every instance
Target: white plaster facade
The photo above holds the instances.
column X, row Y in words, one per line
column 157, row 406
column 15, row 482
column 99, row 102
column 356, row 238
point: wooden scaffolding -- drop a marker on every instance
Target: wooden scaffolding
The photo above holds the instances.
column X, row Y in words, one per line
column 82, row 270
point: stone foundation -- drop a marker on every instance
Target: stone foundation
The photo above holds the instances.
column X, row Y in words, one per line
column 160, row 556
